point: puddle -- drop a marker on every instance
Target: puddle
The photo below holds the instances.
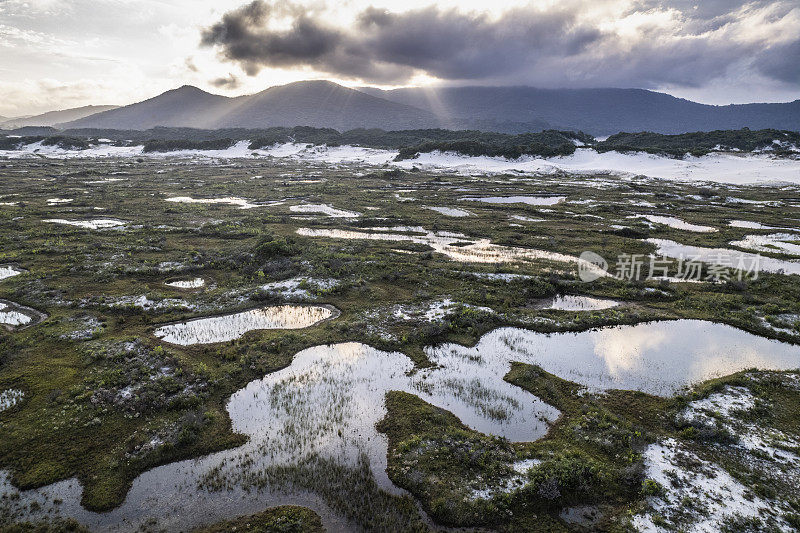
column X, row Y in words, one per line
column 530, row 200
column 195, row 283
column 14, row 316
column 453, row 246
column 228, row 200
column 98, row 223
column 569, row 302
column 323, row 209
column 677, row 223
column 786, row 243
column 526, row 219
column 8, row 271
column 9, row 398
column 229, row 327
column 450, row 211
column 723, row 257
column 755, row 225
column 57, row 201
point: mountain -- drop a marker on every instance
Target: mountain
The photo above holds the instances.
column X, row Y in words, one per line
column 325, row 104
column 595, row 111
column 186, row 106
column 309, row 103
column 53, row 117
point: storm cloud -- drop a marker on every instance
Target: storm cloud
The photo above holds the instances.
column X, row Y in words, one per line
column 641, row 43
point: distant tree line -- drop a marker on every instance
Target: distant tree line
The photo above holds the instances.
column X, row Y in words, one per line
column 703, row 142
column 411, row 143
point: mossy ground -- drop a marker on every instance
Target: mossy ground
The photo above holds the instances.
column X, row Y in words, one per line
column 284, row 519
column 56, row 432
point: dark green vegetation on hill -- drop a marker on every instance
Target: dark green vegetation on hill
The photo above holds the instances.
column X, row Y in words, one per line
column 410, row 143
column 701, row 143
column 74, row 421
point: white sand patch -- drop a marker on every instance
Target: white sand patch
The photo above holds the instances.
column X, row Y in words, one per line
column 299, row 287
column 718, row 167
column 147, row 304
column 102, row 150
column 9, row 398
column 329, row 154
column 706, row 485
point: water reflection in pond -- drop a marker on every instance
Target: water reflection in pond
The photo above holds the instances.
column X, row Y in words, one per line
column 658, row 358
column 529, row 200
column 324, row 407
column 229, row 327
column 723, row 256
column 456, row 246
column 571, row 302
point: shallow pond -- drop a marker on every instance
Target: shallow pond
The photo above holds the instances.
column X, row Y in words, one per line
column 723, row 256
column 677, row 223
column 456, row 246
column 324, row 406
column 787, row 243
column 747, row 224
column 15, row 316
column 450, row 211
column 195, row 283
column 229, row 200
column 98, row 223
column 324, row 209
column 229, row 327
column 657, row 358
column 570, row 302
column 530, row 200
column 8, row 271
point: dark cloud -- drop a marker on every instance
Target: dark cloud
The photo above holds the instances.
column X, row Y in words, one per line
column 229, row 82
column 552, row 47
column 781, row 62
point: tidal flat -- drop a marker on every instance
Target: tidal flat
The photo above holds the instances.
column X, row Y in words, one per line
column 421, row 366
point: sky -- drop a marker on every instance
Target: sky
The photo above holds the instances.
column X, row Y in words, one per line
column 58, row 54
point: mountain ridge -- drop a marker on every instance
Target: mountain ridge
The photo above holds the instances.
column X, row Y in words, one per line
column 514, row 109
column 51, row 118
